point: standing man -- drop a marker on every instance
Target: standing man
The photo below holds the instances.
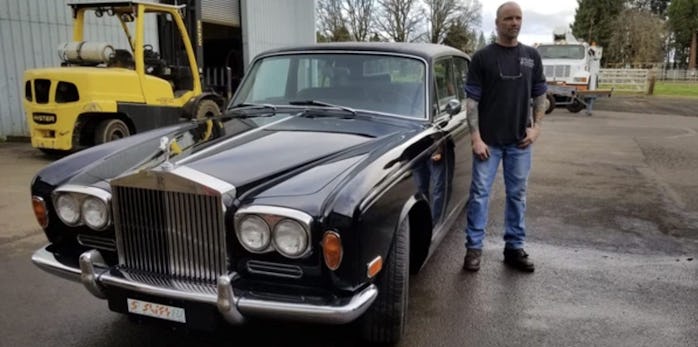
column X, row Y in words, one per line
column 503, row 79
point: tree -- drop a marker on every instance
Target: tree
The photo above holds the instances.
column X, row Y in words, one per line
column 493, row 37
column 638, row 38
column 399, row 19
column 594, row 20
column 658, row 7
column 360, row 17
column 459, row 36
column 331, row 21
column 440, row 14
column 481, row 43
column 683, row 22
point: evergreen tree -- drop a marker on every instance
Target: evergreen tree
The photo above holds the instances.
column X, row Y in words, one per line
column 481, row 41
column 493, row 37
column 683, row 21
column 594, row 21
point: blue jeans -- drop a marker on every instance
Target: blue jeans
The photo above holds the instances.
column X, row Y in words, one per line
column 516, row 164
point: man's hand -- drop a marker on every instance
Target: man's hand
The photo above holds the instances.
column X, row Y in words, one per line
column 532, row 134
column 480, row 148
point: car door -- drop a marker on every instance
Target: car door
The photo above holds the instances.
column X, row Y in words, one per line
column 450, row 171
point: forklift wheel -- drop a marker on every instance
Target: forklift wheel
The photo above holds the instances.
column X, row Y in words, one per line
column 110, row 130
column 551, row 103
column 575, row 106
column 206, row 109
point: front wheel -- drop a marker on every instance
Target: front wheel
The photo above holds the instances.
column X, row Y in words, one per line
column 551, row 103
column 207, row 109
column 385, row 320
column 110, row 130
column 575, row 106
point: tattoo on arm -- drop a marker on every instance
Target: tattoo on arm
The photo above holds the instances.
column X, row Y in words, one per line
column 473, row 115
column 538, row 109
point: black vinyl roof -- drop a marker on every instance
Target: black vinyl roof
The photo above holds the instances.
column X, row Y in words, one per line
column 428, row 51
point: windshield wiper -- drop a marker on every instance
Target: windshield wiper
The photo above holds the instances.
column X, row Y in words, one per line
column 322, row 103
column 238, row 108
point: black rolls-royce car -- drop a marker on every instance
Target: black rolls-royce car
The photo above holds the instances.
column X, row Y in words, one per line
column 333, row 175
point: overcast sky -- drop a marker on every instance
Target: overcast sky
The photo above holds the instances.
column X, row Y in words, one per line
column 539, row 18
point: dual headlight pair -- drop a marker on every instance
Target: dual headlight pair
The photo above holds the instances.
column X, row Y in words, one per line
column 88, row 206
column 280, row 229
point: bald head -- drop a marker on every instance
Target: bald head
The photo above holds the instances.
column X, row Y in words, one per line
column 508, row 4
column 508, row 23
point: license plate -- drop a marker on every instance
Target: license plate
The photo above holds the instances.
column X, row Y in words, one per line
column 151, row 309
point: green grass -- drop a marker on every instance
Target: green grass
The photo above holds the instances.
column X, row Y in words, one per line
column 663, row 88
column 667, row 88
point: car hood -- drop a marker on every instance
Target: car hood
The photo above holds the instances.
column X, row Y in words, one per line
column 296, row 147
column 249, row 155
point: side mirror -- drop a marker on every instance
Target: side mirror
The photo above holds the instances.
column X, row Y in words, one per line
column 453, row 107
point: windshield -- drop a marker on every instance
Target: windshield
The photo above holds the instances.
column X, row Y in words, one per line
column 377, row 83
column 561, row 51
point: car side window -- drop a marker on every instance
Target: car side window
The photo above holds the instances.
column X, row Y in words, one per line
column 445, row 83
column 461, row 73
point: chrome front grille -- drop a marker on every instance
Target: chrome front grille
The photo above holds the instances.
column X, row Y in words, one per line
column 556, row 71
column 180, row 235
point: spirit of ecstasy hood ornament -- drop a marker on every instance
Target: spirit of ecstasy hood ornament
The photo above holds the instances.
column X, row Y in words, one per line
column 166, row 148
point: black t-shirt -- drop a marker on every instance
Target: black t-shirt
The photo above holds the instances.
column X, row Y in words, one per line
column 503, row 80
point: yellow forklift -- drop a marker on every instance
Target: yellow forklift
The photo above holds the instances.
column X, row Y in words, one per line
column 103, row 92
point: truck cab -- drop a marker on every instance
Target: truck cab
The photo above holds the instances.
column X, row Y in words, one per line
column 573, row 64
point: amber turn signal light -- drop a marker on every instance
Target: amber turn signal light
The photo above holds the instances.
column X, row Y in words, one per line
column 374, row 267
column 40, row 212
column 332, row 250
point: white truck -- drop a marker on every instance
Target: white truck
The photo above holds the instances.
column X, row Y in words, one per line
column 571, row 69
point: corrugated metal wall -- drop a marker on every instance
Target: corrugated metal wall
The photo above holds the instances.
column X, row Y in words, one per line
column 224, row 12
column 268, row 24
column 30, row 32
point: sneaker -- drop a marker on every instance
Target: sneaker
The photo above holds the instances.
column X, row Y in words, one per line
column 472, row 259
column 518, row 259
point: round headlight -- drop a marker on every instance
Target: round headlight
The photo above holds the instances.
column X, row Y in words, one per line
column 290, row 239
column 253, row 233
column 68, row 209
column 95, row 213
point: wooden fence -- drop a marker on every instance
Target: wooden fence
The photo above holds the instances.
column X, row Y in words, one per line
column 627, row 80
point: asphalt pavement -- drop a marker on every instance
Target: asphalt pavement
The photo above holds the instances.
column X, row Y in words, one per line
column 613, row 230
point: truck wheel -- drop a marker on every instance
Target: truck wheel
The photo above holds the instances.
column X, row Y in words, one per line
column 575, row 106
column 110, row 130
column 551, row 103
column 207, row 109
column 385, row 321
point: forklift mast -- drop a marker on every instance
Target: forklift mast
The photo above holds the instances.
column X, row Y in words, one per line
column 170, row 40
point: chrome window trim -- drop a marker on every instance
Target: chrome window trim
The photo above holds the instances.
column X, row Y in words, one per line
column 427, row 73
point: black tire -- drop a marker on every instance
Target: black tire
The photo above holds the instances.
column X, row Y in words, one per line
column 384, row 322
column 551, row 103
column 54, row 153
column 575, row 106
column 110, row 130
column 207, row 109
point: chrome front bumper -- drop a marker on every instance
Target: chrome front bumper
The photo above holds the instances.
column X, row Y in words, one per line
column 95, row 276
